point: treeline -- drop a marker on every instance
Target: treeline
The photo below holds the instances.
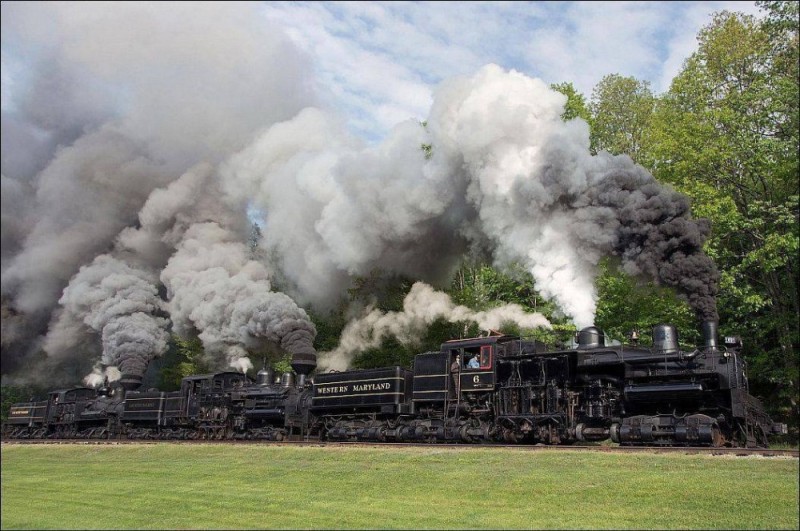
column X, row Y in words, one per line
column 725, row 134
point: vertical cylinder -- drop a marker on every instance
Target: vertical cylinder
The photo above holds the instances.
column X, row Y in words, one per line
column 710, row 334
column 590, row 337
column 265, row 376
column 665, row 339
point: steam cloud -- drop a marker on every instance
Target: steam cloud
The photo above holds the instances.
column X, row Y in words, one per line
column 507, row 176
column 136, row 137
column 214, row 288
column 422, row 306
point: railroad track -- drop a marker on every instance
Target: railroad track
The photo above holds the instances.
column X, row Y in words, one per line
column 741, row 452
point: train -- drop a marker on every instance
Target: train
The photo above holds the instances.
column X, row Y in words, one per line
column 496, row 388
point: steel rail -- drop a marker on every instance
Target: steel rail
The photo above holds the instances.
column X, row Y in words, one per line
column 687, row 450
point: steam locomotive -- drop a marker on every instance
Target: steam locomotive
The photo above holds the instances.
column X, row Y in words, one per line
column 517, row 391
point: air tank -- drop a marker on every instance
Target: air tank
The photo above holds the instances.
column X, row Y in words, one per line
column 665, row 339
column 591, row 337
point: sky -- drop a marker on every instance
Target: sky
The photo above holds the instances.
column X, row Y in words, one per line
column 378, row 62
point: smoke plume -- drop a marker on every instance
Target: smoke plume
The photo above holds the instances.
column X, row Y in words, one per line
column 422, row 306
column 137, row 137
column 122, row 305
column 506, row 176
column 103, row 104
column 215, row 289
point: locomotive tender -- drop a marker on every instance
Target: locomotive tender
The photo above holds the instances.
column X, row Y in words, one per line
column 521, row 392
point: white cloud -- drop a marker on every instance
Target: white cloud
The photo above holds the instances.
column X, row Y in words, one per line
column 378, row 62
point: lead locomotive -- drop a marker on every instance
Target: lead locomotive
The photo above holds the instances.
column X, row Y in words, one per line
column 519, row 391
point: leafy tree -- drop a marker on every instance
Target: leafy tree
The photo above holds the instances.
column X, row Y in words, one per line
column 626, row 304
column 426, row 148
column 184, row 358
column 253, row 239
column 621, row 111
column 329, row 327
column 726, row 135
column 384, row 290
column 576, row 103
column 481, row 287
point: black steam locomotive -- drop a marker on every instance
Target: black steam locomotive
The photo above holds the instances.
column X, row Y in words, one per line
column 498, row 388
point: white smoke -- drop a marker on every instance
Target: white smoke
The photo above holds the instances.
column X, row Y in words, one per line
column 506, row 174
column 422, row 306
column 100, row 376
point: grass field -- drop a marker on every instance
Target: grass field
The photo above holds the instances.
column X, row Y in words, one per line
column 167, row 486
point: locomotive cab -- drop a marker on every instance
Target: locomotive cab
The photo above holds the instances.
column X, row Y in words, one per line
column 475, row 360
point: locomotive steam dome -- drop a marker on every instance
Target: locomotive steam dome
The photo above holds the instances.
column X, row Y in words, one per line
column 264, row 376
column 591, row 337
column 665, row 338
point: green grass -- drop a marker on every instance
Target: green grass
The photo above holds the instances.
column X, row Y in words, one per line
column 167, row 486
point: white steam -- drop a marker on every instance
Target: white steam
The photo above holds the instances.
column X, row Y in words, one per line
column 215, row 289
column 421, row 307
column 506, row 174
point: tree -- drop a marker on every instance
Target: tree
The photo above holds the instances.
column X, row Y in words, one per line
column 184, row 358
column 253, row 242
column 626, row 304
column 621, row 111
column 576, row 103
column 726, row 135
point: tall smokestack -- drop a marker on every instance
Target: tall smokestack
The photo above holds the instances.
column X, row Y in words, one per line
column 130, row 382
column 304, row 363
column 710, row 334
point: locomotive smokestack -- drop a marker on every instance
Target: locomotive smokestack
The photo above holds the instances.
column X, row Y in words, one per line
column 130, row 382
column 304, row 363
column 710, row 334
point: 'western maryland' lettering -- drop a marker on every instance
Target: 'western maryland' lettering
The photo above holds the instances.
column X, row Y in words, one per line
column 322, row 389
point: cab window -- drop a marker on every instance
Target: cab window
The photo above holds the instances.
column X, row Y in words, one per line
column 478, row 357
column 486, row 357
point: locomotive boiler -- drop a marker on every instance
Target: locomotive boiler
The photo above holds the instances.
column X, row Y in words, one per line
column 515, row 391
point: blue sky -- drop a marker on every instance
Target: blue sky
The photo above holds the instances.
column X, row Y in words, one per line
column 379, row 61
